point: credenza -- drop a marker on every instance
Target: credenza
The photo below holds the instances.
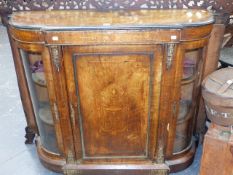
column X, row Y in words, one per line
column 111, row 92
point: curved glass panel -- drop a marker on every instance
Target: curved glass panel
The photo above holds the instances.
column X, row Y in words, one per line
column 189, row 83
column 34, row 72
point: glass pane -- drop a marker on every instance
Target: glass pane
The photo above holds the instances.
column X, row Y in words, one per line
column 190, row 62
column 34, row 71
column 184, row 127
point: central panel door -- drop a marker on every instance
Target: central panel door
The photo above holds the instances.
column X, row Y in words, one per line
column 111, row 90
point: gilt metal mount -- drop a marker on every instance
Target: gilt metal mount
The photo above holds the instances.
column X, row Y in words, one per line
column 170, row 54
column 70, row 157
column 72, row 172
column 55, row 53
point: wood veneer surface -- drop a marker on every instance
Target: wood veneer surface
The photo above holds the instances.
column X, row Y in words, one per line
column 110, row 19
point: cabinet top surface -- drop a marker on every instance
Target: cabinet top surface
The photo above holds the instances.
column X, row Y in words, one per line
column 121, row 19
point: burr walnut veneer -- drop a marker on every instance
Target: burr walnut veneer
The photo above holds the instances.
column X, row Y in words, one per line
column 111, row 92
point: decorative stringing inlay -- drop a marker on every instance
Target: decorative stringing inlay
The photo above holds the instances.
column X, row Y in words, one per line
column 18, row 5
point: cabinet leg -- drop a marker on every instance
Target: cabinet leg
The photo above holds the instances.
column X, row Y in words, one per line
column 30, row 135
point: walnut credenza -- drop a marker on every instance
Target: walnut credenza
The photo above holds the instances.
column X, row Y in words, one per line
column 113, row 91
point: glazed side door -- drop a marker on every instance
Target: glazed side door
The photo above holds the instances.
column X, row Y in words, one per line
column 115, row 94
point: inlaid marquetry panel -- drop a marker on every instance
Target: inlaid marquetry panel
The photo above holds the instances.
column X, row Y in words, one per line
column 114, row 102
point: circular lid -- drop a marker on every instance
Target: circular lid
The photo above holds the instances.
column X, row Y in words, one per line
column 220, row 83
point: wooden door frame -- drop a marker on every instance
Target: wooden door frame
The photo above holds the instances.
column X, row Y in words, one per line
column 155, row 153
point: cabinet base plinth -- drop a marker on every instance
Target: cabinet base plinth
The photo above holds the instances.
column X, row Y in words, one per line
column 57, row 164
column 183, row 160
column 51, row 161
column 156, row 169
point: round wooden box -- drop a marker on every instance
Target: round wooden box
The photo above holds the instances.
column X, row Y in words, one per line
column 217, row 91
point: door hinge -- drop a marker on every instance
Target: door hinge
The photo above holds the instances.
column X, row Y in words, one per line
column 170, row 54
column 174, row 108
column 72, row 114
column 56, row 113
